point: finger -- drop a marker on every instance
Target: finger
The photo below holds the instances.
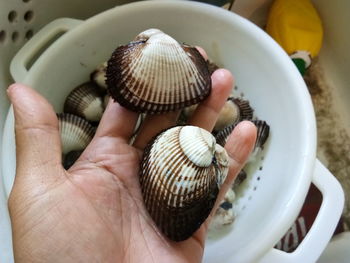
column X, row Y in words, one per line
column 239, row 146
column 38, row 143
column 152, row 125
column 208, row 111
column 116, row 122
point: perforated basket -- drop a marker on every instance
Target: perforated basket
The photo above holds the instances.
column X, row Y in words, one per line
column 274, row 194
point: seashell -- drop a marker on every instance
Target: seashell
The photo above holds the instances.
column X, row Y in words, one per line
column 242, row 175
column 263, row 131
column 98, row 76
column 186, row 113
column 76, row 133
column 155, row 74
column 137, row 128
column 85, row 101
column 70, row 158
column 234, row 110
column 180, row 175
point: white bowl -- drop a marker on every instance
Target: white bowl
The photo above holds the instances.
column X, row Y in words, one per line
column 275, row 194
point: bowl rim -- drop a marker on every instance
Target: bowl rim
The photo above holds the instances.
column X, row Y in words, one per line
column 309, row 123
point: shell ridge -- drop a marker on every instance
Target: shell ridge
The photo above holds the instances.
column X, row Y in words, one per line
column 159, row 143
column 177, row 86
column 180, row 194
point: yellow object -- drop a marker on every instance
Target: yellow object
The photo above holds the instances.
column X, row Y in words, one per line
column 296, row 26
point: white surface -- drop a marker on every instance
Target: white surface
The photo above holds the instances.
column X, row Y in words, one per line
column 261, row 69
column 320, row 233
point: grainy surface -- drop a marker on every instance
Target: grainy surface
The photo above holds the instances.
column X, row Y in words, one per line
column 333, row 140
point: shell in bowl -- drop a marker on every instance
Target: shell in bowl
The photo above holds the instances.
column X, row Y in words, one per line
column 155, row 74
column 181, row 172
column 76, row 133
column 85, row 101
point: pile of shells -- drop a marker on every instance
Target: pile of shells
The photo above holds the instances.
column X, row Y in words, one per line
column 182, row 167
column 82, row 111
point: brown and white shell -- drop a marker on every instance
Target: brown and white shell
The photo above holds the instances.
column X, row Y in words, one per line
column 180, row 175
column 99, row 76
column 263, row 131
column 76, row 133
column 156, row 74
column 233, row 111
column 70, row 158
column 85, row 101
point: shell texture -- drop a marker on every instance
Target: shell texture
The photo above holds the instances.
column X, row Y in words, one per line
column 245, row 111
column 234, row 110
column 99, row 76
column 263, row 131
column 85, row 101
column 155, row 74
column 76, row 133
column 181, row 172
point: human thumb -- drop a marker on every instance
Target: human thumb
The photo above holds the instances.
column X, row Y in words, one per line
column 38, row 146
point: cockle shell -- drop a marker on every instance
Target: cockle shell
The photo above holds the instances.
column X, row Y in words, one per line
column 70, row 158
column 85, row 101
column 263, row 131
column 180, row 175
column 99, row 76
column 76, row 133
column 155, row 74
column 234, row 110
column 224, row 215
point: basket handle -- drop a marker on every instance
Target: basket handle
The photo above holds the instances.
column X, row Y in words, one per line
column 32, row 50
column 324, row 224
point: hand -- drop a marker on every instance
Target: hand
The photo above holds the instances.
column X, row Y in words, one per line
column 94, row 212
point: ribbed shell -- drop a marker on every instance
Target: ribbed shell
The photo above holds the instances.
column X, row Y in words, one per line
column 263, row 131
column 76, row 133
column 245, row 110
column 155, row 74
column 85, row 101
column 234, row 110
column 99, row 76
column 180, row 179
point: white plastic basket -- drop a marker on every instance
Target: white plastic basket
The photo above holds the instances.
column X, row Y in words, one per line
column 250, row 239
column 276, row 193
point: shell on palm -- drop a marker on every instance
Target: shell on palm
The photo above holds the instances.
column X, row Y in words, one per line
column 181, row 172
column 156, row 74
column 76, row 133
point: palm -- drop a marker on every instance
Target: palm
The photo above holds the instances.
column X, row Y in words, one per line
column 94, row 212
column 110, row 188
